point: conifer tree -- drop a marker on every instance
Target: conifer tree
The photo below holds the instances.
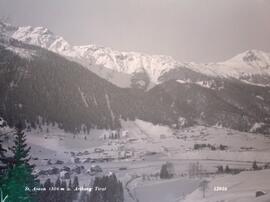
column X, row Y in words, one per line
column 227, row 169
column 113, row 190
column 69, row 192
column 3, row 166
column 19, row 181
column 2, row 153
column 57, row 193
column 2, row 160
column 84, row 196
column 63, row 192
column 48, row 184
column 164, row 174
column 75, row 185
column 20, row 150
column 2, row 150
column 255, row 166
column 46, row 195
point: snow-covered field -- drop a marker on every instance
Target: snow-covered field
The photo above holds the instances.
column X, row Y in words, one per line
column 240, row 188
column 137, row 155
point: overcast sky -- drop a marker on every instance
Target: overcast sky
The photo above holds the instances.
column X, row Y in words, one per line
column 188, row 30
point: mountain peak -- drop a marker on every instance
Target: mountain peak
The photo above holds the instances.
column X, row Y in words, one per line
column 6, row 28
column 251, row 56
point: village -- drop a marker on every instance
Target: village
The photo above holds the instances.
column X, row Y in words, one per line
column 137, row 152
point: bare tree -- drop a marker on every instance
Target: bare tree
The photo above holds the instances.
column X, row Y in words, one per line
column 195, row 169
column 204, row 186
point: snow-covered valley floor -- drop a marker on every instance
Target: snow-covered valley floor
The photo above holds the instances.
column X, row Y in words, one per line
column 137, row 154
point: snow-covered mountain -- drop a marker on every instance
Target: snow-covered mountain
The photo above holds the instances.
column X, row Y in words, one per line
column 246, row 66
column 35, row 82
column 44, row 38
column 125, row 68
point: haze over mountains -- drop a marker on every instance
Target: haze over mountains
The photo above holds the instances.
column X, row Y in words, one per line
column 41, row 86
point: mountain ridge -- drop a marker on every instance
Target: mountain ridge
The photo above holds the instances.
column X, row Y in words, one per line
column 250, row 66
column 42, row 87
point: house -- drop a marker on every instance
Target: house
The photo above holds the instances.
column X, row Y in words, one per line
column 59, row 162
column 125, row 154
column 124, row 133
column 86, row 152
column 66, row 168
column 98, row 150
column 132, row 140
column 95, row 168
column 53, row 171
column 64, row 175
column 87, row 160
column 128, row 154
column 78, row 169
column 75, row 160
